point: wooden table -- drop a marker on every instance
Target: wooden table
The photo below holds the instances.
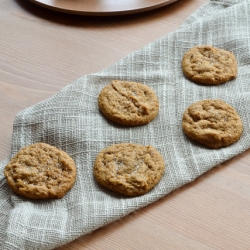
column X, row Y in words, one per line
column 42, row 51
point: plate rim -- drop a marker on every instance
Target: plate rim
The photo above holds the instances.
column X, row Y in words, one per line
column 103, row 13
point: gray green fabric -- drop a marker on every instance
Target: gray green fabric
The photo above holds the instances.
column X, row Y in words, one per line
column 71, row 121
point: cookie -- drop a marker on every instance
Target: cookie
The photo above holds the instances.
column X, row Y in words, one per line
column 209, row 65
column 129, row 169
column 213, row 123
column 128, row 103
column 41, row 171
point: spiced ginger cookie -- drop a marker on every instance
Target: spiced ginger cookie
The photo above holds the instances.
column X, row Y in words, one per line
column 209, row 65
column 41, row 171
column 213, row 123
column 129, row 169
column 128, row 103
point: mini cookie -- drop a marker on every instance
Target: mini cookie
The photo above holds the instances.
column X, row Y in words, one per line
column 209, row 65
column 128, row 103
column 41, row 171
column 212, row 123
column 129, row 169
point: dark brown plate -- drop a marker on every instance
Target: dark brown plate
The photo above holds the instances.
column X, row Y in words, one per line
column 102, row 7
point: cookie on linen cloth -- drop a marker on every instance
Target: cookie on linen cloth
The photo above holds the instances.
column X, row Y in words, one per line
column 212, row 123
column 41, row 171
column 209, row 65
column 128, row 103
column 129, row 169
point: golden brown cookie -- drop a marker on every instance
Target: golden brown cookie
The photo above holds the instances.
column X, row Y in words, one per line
column 129, row 169
column 41, row 171
column 209, row 65
column 128, row 103
column 212, row 123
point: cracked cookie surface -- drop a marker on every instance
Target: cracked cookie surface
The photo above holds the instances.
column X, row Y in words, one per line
column 129, row 169
column 128, row 103
column 209, row 65
column 41, row 171
column 213, row 123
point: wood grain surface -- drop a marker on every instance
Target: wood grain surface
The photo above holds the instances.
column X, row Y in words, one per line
column 41, row 51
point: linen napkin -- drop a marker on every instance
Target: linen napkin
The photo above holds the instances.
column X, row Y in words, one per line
column 72, row 122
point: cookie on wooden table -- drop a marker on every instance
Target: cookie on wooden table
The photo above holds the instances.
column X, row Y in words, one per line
column 41, row 171
column 129, row 169
column 212, row 123
column 209, row 65
column 128, row 103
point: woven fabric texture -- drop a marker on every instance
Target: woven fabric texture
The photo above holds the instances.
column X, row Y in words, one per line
column 72, row 122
